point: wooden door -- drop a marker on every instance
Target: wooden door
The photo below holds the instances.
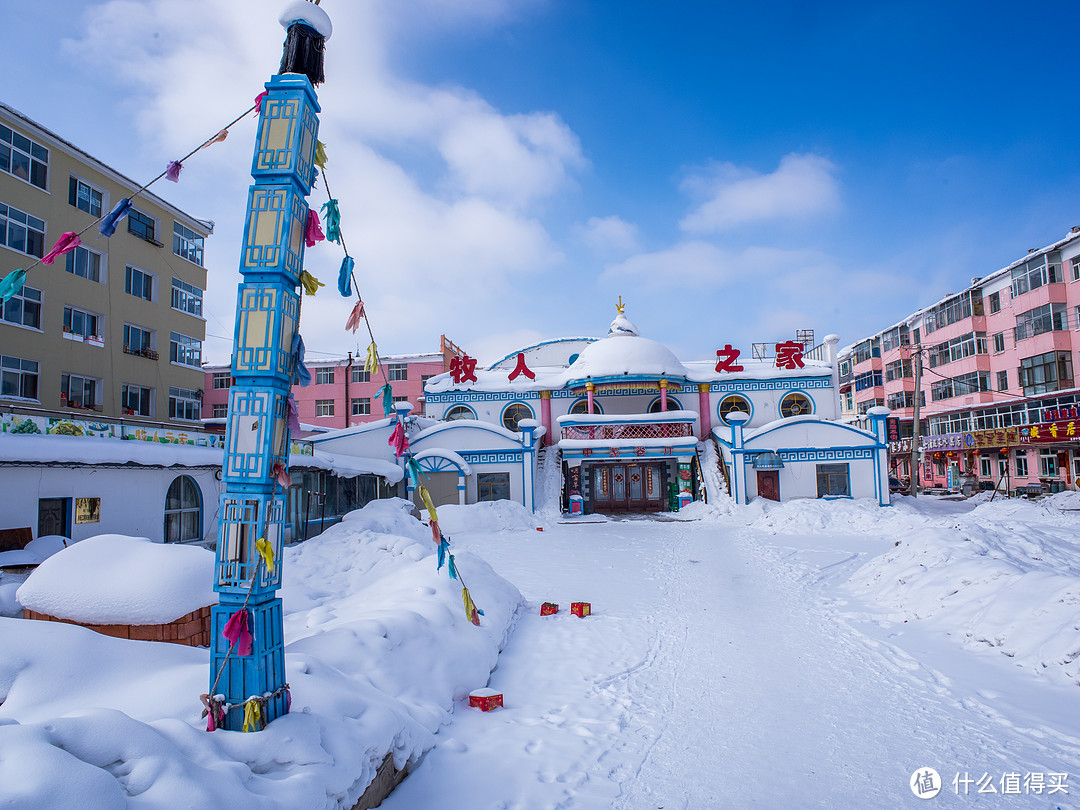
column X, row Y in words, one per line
column 768, row 484
column 634, row 487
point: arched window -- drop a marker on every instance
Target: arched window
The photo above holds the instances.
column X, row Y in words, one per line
column 796, row 404
column 732, row 403
column 514, row 414
column 183, row 511
column 672, row 405
column 582, row 406
column 459, row 412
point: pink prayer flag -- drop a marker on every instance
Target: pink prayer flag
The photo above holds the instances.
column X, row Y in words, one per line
column 65, row 244
column 172, row 172
column 356, row 317
column 314, row 233
column 259, row 100
column 398, row 440
column 236, row 631
column 281, row 473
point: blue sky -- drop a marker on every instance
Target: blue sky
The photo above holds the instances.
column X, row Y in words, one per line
column 507, row 169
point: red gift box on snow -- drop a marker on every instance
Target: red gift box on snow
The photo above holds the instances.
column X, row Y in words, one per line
column 581, row 609
column 485, row 699
column 548, row 609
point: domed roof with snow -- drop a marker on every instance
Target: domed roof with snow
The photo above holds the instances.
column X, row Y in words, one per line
column 625, row 353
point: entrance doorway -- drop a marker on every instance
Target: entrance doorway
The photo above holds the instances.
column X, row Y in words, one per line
column 54, row 517
column 768, row 484
column 632, row 487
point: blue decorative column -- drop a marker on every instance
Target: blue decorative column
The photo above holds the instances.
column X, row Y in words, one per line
column 257, row 438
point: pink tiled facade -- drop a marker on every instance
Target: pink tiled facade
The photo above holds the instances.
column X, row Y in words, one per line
column 342, row 393
column 999, row 395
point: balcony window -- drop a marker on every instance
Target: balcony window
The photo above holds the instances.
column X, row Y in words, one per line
column 24, row 158
column 898, row 370
column 1047, row 318
column 869, row 379
column 186, row 297
column 965, row 305
column 904, row 399
column 140, row 341
column 1051, row 371
column 18, row 377
column 187, row 244
column 960, row 386
column 84, row 197
column 21, row 231
column 1045, row 269
column 956, row 349
column 895, row 338
column 866, row 350
column 142, row 226
column 23, row 308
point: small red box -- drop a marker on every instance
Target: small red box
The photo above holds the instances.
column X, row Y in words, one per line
column 548, row 609
column 485, row 699
column 581, row 609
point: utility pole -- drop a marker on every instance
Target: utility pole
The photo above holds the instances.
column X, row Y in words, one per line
column 913, row 483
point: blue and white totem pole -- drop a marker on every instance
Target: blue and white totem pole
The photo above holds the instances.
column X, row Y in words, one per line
column 247, row 677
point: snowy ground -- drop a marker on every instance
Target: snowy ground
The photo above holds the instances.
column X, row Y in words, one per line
column 811, row 654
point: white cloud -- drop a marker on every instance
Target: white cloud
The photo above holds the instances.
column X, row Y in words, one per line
column 608, row 235
column 803, row 186
column 703, row 264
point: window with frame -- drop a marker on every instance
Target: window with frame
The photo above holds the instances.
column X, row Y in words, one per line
column 459, row 412
column 186, row 297
column 361, row 406
column 21, row 231
column 396, row 372
column 956, row 309
column 957, row 348
column 138, row 340
column 184, row 404
column 582, row 406
column 1076, row 269
column 849, row 400
column 895, row 338
column 795, row 404
column 1047, row 318
column 901, row 399
column 221, row 379
column 1077, row 313
column 1003, row 380
column 18, row 377
column 360, row 375
column 1031, row 275
column 84, row 196
column 402, row 398
column 985, row 468
column 137, row 400
column 183, row 511
column 82, row 323
column 324, row 407
column 424, row 378
column 324, row 376
column 142, row 225
column 78, row 391
column 493, row 486
column 866, row 350
column 866, row 405
column 185, row 350
column 515, row 413
column 999, row 342
column 730, row 404
column 995, row 302
column 898, row 370
column 23, row 308
column 1048, row 467
column 187, row 244
column 138, row 283
column 1051, row 371
column 24, row 158
column 833, row 481
column 84, row 263
column 1020, row 463
column 654, row 407
column 220, row 410
column 868, row 379
column 959, row 386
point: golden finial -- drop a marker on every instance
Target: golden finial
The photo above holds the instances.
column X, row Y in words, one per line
column 620, row 307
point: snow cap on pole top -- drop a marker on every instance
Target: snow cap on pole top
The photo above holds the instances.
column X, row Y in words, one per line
column 308, row 13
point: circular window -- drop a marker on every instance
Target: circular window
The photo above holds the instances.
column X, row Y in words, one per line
column 459, row 412
column 183, row 511
column 732, row 403
column 514, row 414
column 796, row 405
column 672, row 405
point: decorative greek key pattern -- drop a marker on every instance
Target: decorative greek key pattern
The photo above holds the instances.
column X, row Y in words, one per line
column 458, row 397
column 850, row 454
column 787, row 383
column 491, row 458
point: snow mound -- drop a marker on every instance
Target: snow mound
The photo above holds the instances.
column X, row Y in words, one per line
column 115, row 579
column 486, row 516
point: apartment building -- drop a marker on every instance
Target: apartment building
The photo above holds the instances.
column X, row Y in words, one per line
column 999, row 404
column 115, row 327
column 342, row 392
